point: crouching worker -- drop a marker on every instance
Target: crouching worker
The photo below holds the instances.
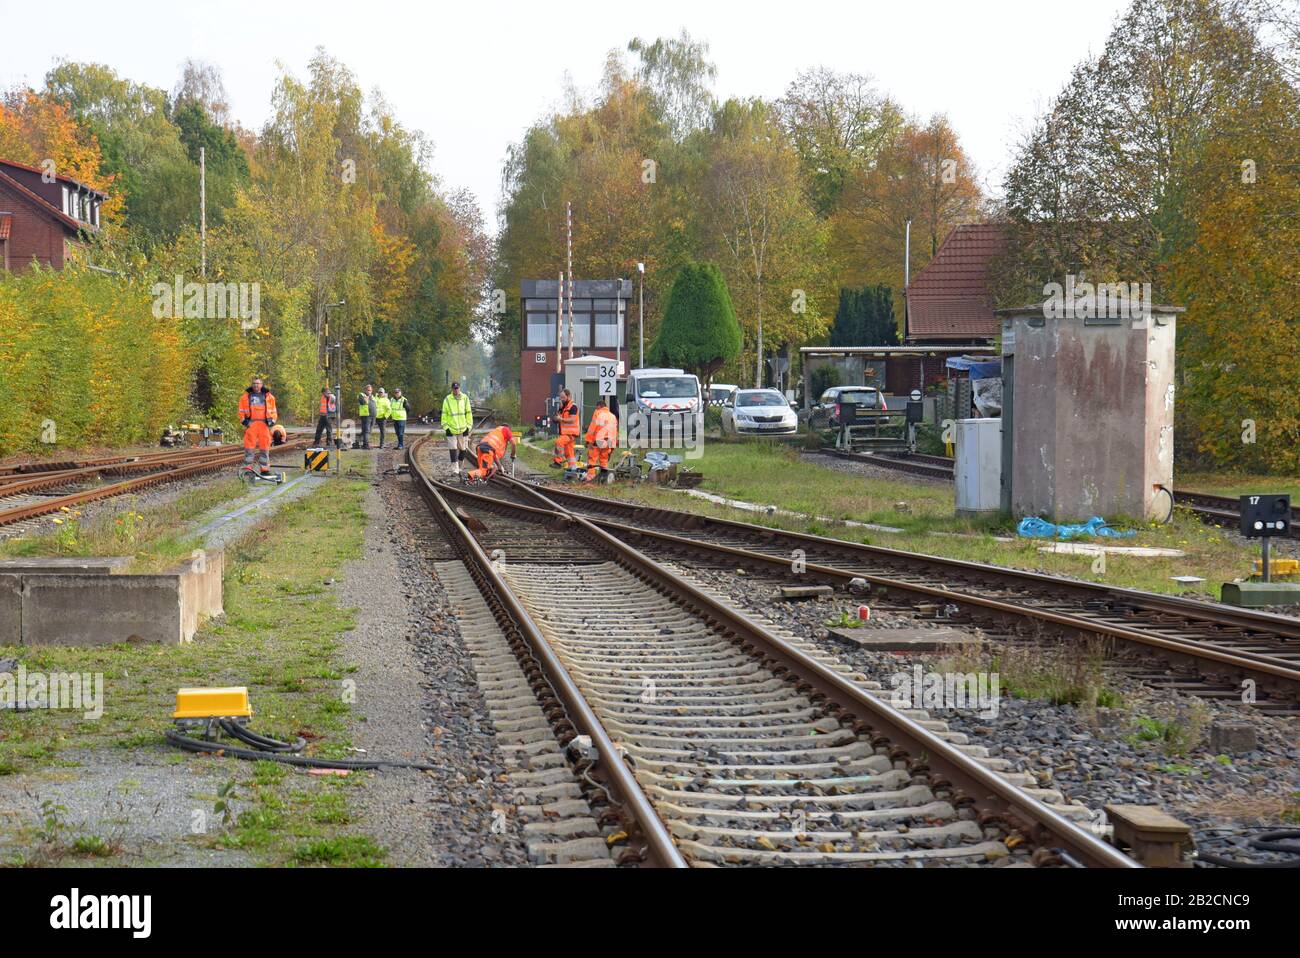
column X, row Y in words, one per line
column 570, row 421
column 258, row 414
column 492, row 452
column 279, row 435
column 602, row 440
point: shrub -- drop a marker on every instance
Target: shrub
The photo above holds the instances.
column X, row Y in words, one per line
column 83, row 361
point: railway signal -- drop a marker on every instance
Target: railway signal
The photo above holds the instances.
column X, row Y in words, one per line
column 1263, row 517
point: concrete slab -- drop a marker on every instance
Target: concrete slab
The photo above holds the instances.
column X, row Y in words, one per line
column 904, row 640
column 1090, row 549
column 11, row 610
column 796, row 592
column 83, row 565
column 84, row 610
column 95, row 608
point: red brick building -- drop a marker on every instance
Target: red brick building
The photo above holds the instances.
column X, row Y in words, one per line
column 600, row 308
column 43, row 217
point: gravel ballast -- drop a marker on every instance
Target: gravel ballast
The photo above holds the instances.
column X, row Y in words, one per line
column 1094, row 756
column 416, row 688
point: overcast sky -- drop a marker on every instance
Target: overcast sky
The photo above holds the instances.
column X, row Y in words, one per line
column 473, row 75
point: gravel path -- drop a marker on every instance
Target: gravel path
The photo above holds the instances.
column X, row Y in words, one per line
column 416, row 688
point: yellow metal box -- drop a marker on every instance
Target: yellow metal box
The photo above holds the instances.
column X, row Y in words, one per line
column 212, row 703
column 1278, row 566
column 316, row 460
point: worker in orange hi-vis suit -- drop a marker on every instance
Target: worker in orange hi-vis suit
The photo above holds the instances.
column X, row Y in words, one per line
column 602, row 439
column 258, row 414
column 570, row 428
column 492, row 451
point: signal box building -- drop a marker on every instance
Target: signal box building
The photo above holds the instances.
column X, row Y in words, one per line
column 600, row 309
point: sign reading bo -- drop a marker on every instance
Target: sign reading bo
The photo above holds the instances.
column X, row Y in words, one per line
column 1265, row 516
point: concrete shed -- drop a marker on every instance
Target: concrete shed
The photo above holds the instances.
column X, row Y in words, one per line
column 1088, row 416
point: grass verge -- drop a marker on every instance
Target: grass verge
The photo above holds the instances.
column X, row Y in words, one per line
column 280, row 637
column 773, row 474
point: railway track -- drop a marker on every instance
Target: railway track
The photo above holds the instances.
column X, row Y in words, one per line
column 28, row 491
column 1200, row 648
column 721, row 741
column 932, row 467
column 1211, row 508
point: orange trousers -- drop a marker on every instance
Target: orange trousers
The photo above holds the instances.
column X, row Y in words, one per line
column 564, row 455
column 257, row 443
column 597, row 460
column 487, row 464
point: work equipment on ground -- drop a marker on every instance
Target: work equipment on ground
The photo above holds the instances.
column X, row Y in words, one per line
column 316, row 459
column 190, row 434
column 218, row 711
column 249, row 474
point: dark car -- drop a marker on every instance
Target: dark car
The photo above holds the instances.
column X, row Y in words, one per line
column 827, row 409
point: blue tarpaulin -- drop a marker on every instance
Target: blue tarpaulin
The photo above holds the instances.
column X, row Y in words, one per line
column 1032, row 527
column 978, row 368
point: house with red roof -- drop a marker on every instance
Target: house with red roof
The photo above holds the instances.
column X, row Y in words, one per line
column 948, row 302
column 44, row 217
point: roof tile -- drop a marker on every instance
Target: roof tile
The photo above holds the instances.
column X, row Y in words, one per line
column 949, row 298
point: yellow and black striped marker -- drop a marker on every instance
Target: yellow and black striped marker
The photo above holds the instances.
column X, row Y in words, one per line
column 316, row 460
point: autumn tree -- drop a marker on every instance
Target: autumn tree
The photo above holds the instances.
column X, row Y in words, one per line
column 142, row 148
column 36, row 129
column 1170, row 159
column 756, row 219
column 923, row 176
column 838, row 124
column 679, row 75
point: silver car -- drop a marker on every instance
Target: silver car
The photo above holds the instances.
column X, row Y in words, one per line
column 758, row 412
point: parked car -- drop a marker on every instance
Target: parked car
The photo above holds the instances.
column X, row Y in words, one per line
column 758, row 412
column 828, row 407
column 718, row 392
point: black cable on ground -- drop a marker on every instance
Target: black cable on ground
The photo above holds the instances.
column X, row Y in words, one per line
column 1267, row 842
column 1169, row 492
column 286, row 753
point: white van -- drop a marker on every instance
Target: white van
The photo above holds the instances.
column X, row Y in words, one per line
column 665, row 409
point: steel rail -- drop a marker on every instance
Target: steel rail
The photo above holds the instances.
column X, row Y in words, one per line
column 986, row 789
column 45, row 479
column 622, row 782
column 229, row 456
column 1264, row 669
column 1286, row 626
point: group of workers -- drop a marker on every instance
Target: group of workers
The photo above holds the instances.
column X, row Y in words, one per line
column 259, row 415
column 257, row 411
column 601, row 438
column 381, row 408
